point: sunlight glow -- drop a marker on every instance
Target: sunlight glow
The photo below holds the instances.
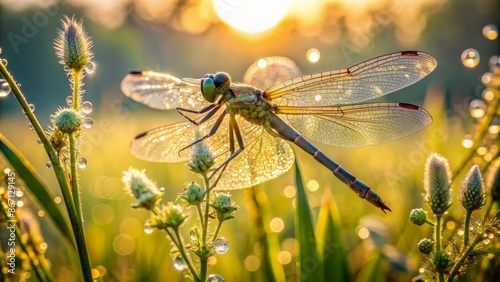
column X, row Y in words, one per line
column 251, row 16
column 313, row 55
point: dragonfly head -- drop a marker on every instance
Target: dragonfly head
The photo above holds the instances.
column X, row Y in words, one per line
column 213, row 85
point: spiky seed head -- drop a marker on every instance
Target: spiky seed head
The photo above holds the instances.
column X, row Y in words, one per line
column 425, row 246
column 223, row 206
column 437, row 183
column 68, row 120
column 73, row 44
column 173, row 215
column 201, row 157
column 493, row 181
column 441, row 260
column 472, row 194
column 142, row 188
column 418, row 217
column 192, row 193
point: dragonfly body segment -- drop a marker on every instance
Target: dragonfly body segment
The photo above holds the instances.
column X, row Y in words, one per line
column 246, row 128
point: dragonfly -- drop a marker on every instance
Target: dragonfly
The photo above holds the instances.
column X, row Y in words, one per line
column 249, row 130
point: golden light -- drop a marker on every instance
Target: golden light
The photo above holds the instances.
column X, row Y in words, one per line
column 467, row 142
column 284, row 257
column 289, row 191
column 312, row 185
column 252, row 263
column 313, row 55
column 363, row 233
column 262, row 63
column 490, row 31
column 450, row 225
column 251, row 16
column 470, row 58
column 276, row 225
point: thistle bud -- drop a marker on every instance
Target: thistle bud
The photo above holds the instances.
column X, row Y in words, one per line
column 201, row 157
column 441, row 260
column 418, row 217
column 68, row 120
column 223, row 206
column 437, row 180
column 472, row 194
column 173, row 215
column 142, row 188
column 493, row 181
column 192, row 193
column 73, row 44
column 425, row 246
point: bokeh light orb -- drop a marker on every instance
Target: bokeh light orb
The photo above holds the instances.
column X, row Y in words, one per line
column 490, row 31
column 470, row 58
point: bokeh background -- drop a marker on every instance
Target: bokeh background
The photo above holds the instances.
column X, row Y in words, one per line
column 190, row 38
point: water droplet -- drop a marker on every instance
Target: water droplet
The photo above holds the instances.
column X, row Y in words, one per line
column 148, row 229
column 477, row 108
column 470, row 58
column 221, row 245
column 179, row 263
column 490, row 31
column 90, row 68
column 39, row 141
column 215, row 278
column 69, row 100
column 488, row 94
column 86, row 107
column 52, row 118
column 87, row 122
column 491, row 235
column 494, row 63
column 82, row 162
column 32, row 107
column 192, row 234
column 48, row 165
column 4, row 88
column 460, row 232
column 30, row 126
column 487, row 241
column 161, row 189
column 3, row 62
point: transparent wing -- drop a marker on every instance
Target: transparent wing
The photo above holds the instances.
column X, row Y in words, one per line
column 264, row 157
column 357, row 125
column 373, row 78
column 163, row 91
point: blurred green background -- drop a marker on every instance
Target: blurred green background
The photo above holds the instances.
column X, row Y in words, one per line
column 189, row 39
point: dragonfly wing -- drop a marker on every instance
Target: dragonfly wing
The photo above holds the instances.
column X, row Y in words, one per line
column 265, row 157
column 357, row 125
column 163, row 91
column 373, row 78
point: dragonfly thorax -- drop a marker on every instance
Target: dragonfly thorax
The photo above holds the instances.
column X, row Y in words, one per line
column 247, row 101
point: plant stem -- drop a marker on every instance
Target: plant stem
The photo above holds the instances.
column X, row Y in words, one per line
column 465, row 254
column 198, row 207
column 183, row 253
column 74, row 176
column 204, row 260
column 438, row 243
column 75, row 221
column 467, row 228
column 77, row 74
column 481, row 132
column 217, row 231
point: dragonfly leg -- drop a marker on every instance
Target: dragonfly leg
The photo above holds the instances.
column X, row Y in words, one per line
column 213, row 130
column 233, row 128
column 210, row 110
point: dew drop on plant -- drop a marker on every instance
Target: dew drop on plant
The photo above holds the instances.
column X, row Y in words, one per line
column 86, row 107
column 30, row 126
column 215, row 278
column 491, row 235
column 3, row 62
column 477, row 108
column 87, row 122
column 32, row 108
column 221, row 245
column 468, row 142
column 69, row 100
column 148, row 229
column 488, row 94
column 192, row 234
column 4, row 88
column 48, row 165
column 179, row 263
column 39, row 141
column 490, row 31
column 82, row 162
column 90, row 68
column 470, row 58
column 161, row 189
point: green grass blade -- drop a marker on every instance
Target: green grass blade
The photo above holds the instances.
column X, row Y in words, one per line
column 311, row 266
column 331, row 246
column 372, row 270
column 36, row 186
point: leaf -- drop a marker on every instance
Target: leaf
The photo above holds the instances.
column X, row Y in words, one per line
column 36, row 186
column 311, row 266
column 331, row 246
column 372, row 270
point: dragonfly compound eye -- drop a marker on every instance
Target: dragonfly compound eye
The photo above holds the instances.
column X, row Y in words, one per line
column 222, row 79
column 208, row 89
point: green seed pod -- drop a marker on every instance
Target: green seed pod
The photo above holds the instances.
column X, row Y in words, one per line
column 441, row 260
column 425, row 246
column 68, row 120
column 418, row 216
column 437, row 180
column 472, row 194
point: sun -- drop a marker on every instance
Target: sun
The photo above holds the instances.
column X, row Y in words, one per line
column 254, row 16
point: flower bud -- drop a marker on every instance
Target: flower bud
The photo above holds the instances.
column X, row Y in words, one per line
column 142, row 188
column 201, row 157
column 418, row 217
column 73, row 44
column 68, row 120
column 441, row 260
column 223, row 206
column 472, row 194
column 173, row 215
column 425, row 246
column 437, row 180
column 192, row 193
